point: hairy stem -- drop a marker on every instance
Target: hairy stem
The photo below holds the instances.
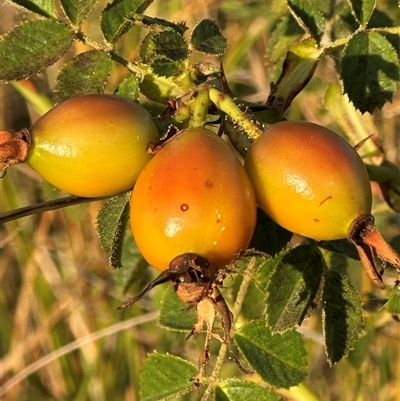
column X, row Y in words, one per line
column 199, row 109
column 236, row 311
column 226, row 104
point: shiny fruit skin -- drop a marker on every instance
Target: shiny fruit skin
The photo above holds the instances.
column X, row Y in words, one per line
column 309, row 180
column 193, row 196
column 92, row 145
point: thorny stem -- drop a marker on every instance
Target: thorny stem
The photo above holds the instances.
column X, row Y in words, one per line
column 247, row 278
column 226, row 104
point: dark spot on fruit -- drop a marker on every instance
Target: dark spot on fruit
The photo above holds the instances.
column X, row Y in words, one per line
column 326, row 199
column 184, row 207
column 209, row 184
column 316, row 220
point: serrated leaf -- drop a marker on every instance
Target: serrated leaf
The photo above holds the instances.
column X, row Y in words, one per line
column 164, row 45
column 265, row 269
column 241, row 390
column 268, row 236
column 77, row 10
column 165, row 52
column 112, row 221
column 129, row 88
column 293, row 287
column 45, row 8
column 114, row 19
column 207, row 38
column 369, row 70
column 362, row 10
column 86, row 73
column 173, row 314
column 164, row 376
column 308, row 17
column 280, row 359
column 33, row 46
column 297, row 70
column 342, row 316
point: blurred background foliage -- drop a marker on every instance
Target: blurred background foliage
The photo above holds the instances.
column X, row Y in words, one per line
column 61, row 335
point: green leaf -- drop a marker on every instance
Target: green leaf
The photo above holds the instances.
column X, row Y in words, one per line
column 115, row 21
column 342, row 316
column 164, row 376
column 268, row 236
column 308, row 17
column 286, row 32
column 129, row 88
column 173, row 313
column 78, row 10
column 164, row 51
column 280, row 359
column 393, row 303
column 369, row 70
column 112, row 221
column 362, row 10
column 265, row 269
column 45, row 8
column 297, row 70
column 207, row 38
column 293, row 288
column 33, row 46
column 86, row 73
column 241, row 390
column 160, row 89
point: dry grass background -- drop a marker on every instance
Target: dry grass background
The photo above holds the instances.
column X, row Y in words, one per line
column 61, row 337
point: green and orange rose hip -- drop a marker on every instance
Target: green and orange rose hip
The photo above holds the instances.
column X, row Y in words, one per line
column 193, row 196
column 90, row 145
column 311, row 181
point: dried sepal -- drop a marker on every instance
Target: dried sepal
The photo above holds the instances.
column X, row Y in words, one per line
column 371, row 245
column 14, row 147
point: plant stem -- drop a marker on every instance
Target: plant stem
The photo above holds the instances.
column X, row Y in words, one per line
column 247, row 278
column 200, row 109
column 227, row 105
column 44, row 207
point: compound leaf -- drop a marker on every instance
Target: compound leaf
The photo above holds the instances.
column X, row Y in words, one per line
column 78, row 10
column 308, row 17
column 33, row 46
column 165, row 376
column 293, row 288
column 342, row 316
column 86, row 73
column 242, row 390
column 369, row 70
column 115, row 21
column 112, row 221
column 45, row 8
column 280, row 359
column 208, row 39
